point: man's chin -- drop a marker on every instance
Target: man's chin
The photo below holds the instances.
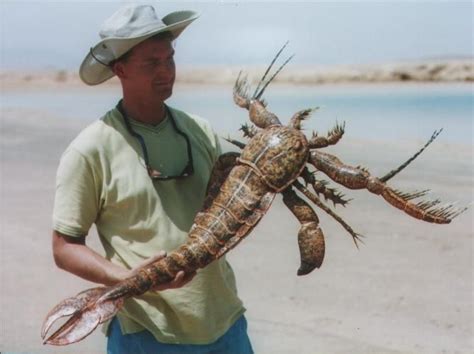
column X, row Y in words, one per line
column 163, row 93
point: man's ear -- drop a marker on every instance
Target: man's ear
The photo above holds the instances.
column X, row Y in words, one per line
column 118, row 70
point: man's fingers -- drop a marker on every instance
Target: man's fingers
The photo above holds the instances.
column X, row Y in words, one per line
column 183, row 278
column 160, row 255
column 178, row 278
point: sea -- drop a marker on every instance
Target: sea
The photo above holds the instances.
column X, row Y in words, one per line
column 373, row 112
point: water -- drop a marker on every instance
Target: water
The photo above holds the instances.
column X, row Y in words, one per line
column 372, row 112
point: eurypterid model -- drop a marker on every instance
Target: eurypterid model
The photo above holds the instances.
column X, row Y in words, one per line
column 241, row 189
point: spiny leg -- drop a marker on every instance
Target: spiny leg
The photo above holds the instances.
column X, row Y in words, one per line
column 241, row 92
column 402, row 166
column 237, row 143
column 320, row 187
column 314, row 198
column 359, row 178
column 249, row 131
column 333, row 136
column 220, row 171
column 310, row 236
column 298, row 117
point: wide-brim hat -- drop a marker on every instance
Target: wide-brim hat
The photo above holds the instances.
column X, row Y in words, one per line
column 126, row 28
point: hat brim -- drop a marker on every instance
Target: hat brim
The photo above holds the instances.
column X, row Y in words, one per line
column 93, row 72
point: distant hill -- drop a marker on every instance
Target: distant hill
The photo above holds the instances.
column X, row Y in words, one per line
column 427, row 70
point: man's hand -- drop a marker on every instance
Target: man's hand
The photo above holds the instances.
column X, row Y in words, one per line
column 180, row 279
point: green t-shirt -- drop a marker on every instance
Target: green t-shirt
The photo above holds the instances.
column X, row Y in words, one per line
column 102, row 179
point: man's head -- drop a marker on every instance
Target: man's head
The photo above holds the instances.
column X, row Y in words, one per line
column 148, row 69
column 126, row 33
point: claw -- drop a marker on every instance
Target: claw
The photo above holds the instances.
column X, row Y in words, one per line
column 87, row 310
column 312, row 248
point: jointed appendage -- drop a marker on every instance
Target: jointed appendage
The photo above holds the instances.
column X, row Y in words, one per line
column 356, row 237
column 358, row 178
column 310, row 236
column 298, row 117
column 320, row 187
column 407, row 162
column 237, row 143
column 332, row 138
column 249, row 131
column 256, row 106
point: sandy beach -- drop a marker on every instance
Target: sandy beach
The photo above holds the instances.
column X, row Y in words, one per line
column 408, row 289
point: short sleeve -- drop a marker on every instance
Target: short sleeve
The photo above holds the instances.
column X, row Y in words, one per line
column 77, row 197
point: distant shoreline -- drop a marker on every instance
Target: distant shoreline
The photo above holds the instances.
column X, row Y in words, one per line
column 439, row 71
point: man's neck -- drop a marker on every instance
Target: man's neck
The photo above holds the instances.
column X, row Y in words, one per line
column 145, row 111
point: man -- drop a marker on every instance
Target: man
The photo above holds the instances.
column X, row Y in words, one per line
column 140, row 174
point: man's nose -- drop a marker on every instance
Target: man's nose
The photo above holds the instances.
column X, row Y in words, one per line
column 165, row 73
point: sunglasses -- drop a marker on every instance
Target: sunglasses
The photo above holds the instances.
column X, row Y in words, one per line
column 155, row 174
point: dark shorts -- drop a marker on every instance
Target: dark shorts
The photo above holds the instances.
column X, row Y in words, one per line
column 234, row 341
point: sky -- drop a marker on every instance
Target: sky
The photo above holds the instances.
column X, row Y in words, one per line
column 58, row 34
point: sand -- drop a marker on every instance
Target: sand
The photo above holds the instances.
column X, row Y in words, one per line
column 408, row 289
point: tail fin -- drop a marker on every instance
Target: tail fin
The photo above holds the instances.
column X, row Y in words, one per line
column 88, row 310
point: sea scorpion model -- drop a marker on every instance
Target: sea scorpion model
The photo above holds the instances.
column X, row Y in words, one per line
column 241, row 189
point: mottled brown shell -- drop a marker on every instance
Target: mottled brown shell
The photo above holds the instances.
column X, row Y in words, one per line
column 278, row 154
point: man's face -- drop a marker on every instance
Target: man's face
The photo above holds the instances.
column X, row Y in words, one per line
column 149, row 69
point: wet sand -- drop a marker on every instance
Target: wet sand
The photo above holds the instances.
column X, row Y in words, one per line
column 408, row 289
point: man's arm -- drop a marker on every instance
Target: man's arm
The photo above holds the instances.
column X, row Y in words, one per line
column 73, row 255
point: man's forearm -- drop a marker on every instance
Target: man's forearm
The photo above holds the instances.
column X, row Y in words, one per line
column 75, row 257
column 72, row 255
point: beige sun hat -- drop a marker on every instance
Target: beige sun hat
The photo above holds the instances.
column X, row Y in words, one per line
column 122, row 31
